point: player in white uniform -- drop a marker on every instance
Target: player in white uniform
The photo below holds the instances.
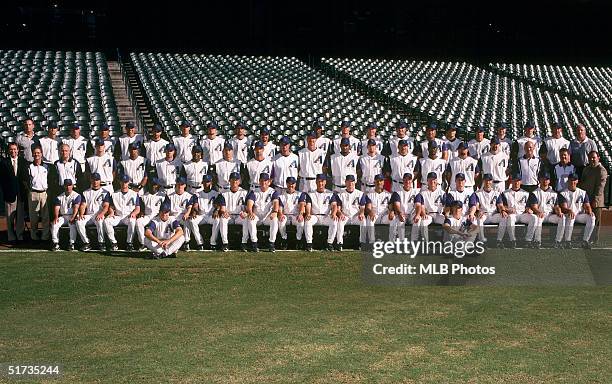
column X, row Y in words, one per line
column 77, row 144
column 479, row 145
column 483, row 207
column 65, row 211
column 553, row 144
column 260, row 164
column 181, row 203
column 496, row 163
column 465, row 165
column 451, row 141
column 544, row 204
column 371, row 135
column 377, row 209
column 150, row 204
column 343, row 164
column 529, row 167
column 402, row 205
column 123, row 143
column 345, row 133
column 562, row 170
column 284, row 165
column 92, row 211
column 401, row 133
column 231, row 210
column 124, row 209
column 459, row 192
column 212, row 145
column 457, row 226
column 431, row 164
column 261, row 207
column 430, row 136
column 428, row 207
column 576, row 207
column 194, row 170
column 370, row 165
column 50, row 144
column 269, row 148
column 323, row 143
column 351, row 205
column 312, row 161
column 164, row 235
column 512, row 206
column 155, row 147
column 321, row 206
column 505, row 143
column 168, row 169
column 518, row 146
column 185, row 142
column 401, row 163
column 135, row 167
column 240, row 144
column 225, row 167
column 292, row 208
column 105, row 137
column 103, row 164
column 203, row 212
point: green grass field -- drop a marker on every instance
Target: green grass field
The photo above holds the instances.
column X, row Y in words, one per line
column 289, row 317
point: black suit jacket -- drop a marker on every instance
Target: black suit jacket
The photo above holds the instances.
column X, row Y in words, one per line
column 13, row 185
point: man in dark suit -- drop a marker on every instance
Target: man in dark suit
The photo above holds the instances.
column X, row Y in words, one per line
column 593, row 181
column 12, row 176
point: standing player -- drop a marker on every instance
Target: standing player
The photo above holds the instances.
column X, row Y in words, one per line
column 401, row 133
column 505, row 144
column 451, row 141
column 231, row 204
column 261, row 207
column 95, row 203
column 260, row 164
column 345, row 133
column 343, row 164
column 401, row 163
column 124, row 209
column 135, row 167
column 312, row 161
column 496, row 163
column 164, row 235
column 167, row 170
column 155, row 147
column 149, row 208
column 321, row 206
column 576, row 207
column 194, row 170
column 553, row 144
column 464, row 165
column 203, row 212
column 65, row 211
column 185, row 142
column 103, row 164
column 483, row 207
column 351, row 205
column 512, row 206
column 284, row 165
column 433, row 164
column 292, row 208
column 425, row 145
column 240, row 143
column 402, row 205
column 123, row 143
column 50, row 144
column 181, row 203
column 377, row 209
column 544, row 205
column 212, row 145
column 77, row 145
column 222, row 170
column 370, row 165
column 428, row 207
column 518, row 147
column 105, row 137
column 479, row 145
column 269, row 146
column 371, row 135
column 323, row 143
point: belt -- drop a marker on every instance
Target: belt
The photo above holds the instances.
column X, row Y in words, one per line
column 254, row 185
column 37, row 191
column 498, row 181
column 370, row 185
column 309, row 178
column 104, row 184
column 339, row 186
column 196, row 186
column 168, row 186
column 399, row 182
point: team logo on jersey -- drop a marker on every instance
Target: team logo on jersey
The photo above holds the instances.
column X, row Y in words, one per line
column 326, row 200
column 470, row 168
column 439, row 168
column 438, row 200
column 485, row 149
column 241, row 201
column 410, row 165
column 141, row 166
column 266, row 169
column 318, row 160
column 81, row 147
column 580, row 200
column 218, row 148
column 107, row 163
column 377, row 164
column 523, row 200
column 293, row 164
column 385, row 201
column 131, row 201
column 100, row 198
column 268, row 198
column 356, row 201
column 502, row 163
column 168, row 230
column 551, row 201
column 351, row 164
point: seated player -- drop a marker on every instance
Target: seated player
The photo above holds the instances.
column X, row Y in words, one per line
column 350, row 210
column 124, row 209
column 181, row 203
column 261, row 207
column 428, row 207
column 512, row 206
column 377, row 209
column 65, row 211
column 402, row 205
column 95, row 202
column 230, row 204
column 544, row 204
column 164, row 235
column 458, row 226
column 576, row 207
column 292, row 208
column 483, row 207
column 150, row 203
column 203, row 212
column 321, row 209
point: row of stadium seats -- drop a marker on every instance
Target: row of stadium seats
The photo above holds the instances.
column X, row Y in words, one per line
column 279, row 93
column 591, row 83
column 65, row 87
column 471, row 96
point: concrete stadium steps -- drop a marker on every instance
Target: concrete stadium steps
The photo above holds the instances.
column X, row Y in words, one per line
column 124, row 106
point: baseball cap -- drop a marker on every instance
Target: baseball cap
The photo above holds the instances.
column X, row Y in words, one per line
column 408, row 175
column 345, row 141
column 502, row 124
column 99, row 142
column 544, row 175
column 349, row 178
column 432, row 175
column 556, row 125
column 134, row 145
column 345, row 123
column 312, row 134
column 529, row 124
column 124, row 178
column 240, row 125
column 197, row 148
column 234, row 176
column 457, row 204
column 516, row 175
column 75, row 126
column 487, row 176
column 460, row 176
column 228, row 145
column 52, row 125
column 264, row 176
column 495, row 140
column 379, row 177
column 372, row 125
column 165, row 207
column 130, row 124
column 285, row 140
column 181, row 180
column 572, row 176
column 259, row 144
column 157, row 128
column 155, row 181
column 185, row 124
column 431, row 125
column 95, row 176
column 290, row 180
column 317, row 124
column 451, row 127
column 402, row 142
column 321, row 176
column 207, row 178
column 212, row 124
column 264, row 131
column 169, row 147
column 432, row 144
column 463, row 145
column 67, row 182
column 479, row 128
column 104, row 127
column 371, row 142
column 402, row 124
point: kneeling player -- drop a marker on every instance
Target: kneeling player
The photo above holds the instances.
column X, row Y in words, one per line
column 543, row 203
column 402, row 204
column 164, row 235
column 428, row 206
column 65, row 211
column 205, row 212
column 292, row 208
column 150, row 203
column 575, row 205
column 457, row 226
column 512, row 205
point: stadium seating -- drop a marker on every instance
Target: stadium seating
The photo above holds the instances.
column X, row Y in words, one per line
column 279, row 93
column 66, row 87
column 468, row 95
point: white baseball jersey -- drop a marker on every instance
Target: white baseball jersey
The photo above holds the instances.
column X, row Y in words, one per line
column 224, row 169
column 67, row 202
column 487, row 201
column 545, row 199
column 311, row 162
column 478, row 148
column 495, row 164
column 256, row 168
column 67, row 170
column 342, row 166
column 262, row 201
column 425, row 147
column 206, row 202
column 124, row 202
column 241, row 148
column 553, row 146
column 163, row 230
column 433, row 201
column 323, row 143
column 50, row 149
column 233, row 201
column 180, row 203
column 270, row 150
column 505, row 145
column 321, row 202
column 353, row 144
column 184, row 145
column 524, row 139
column 351, row 202
column 134, row 169
column 39, row 176
column 167, row 171
column 109, row 144
column 467, row 166
column 370, row 166
column 406, row 200
column 291, row 202
column 78, row 147
column 152, row 202
column 463, row 224
column 428, row 165
column 104, row 165
column 124, row 143
column 94, row 198
column 400, row 165
column 529, row 169
column 394, row 144
column 155, row 150
column 575, row 200
column 283, row 167
column 462, row 196
column 194, row 171
column 212, row 149
column 363, row 146
column 514, row 199
column 453, row 147
column 380, row 201
column 562, row 173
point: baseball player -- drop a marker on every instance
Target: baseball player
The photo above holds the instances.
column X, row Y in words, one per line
column 371, row 135
column 65, row 211
column 370, row 165
column 135, row 167
column 185, row 142
column 103, row 164
column 401, row 133
column 181, row 203
column 167, row 170
column 544, row 205
column 50, row 144
column 123, row 143
column 529, row 167
column 518, row 146
column 377, row 208
column 194, row 170
column 496, row 163
column 149, row 208
column 479, row 145
column 576, row 207
column 425, row 145
column 38, row 185
column 284, row 165
column 323, row 143
column 345, row 133
column 231, row 203
column 312, row 161
column 552, row 145
column 512, row 206
column 225, row 167
column 402, row 204
column 451, row 141
column 505, row 143
column 343, row 164
column 350, row 210
column 458, row 226
column 292, row 208
column 65, row 168
column 164, row 235
column 124, row 209
column 401, row 163
column 483, row 207
column 459, row 192
column 261, row 207
column 465, row 165
column 105, row 137
column 428, row 207
column 433, row 164
column 321, row 205
column 562, row 170
column 212, row 145
column 203, row 212
column 95, row 203
column 258, row 165
column 240, row 143
column 77, row 144
column 154, row 148
column 269, row 148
